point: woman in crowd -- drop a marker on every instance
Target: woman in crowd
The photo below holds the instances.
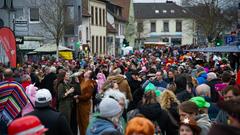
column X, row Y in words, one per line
column 170, row 104
column 152, row 110
column 64, row 94
column 188, row 126
column 140, row 126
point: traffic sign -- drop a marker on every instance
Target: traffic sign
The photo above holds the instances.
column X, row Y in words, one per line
column 229, row 39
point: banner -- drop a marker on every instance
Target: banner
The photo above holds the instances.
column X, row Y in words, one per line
column 67, row 55
column 8, row 41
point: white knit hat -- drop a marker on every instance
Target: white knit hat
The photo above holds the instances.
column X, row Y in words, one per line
column 109, row 107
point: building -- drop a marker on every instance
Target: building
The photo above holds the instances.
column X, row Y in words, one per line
column 25, row 19
column 163, row 23
column 117, row 17
column 98, row 27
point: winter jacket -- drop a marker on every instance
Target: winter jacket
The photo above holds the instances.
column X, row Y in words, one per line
column 212, row 110
column 238, row 78
column 184, row 96
column 160, row 83
column 202, row 77
column 30, row 92
column 214, row 94
column 48, row 81
column 102, row 126
column 203, row 122
column 25, row 84
column 222, row 117
column 54, row 121
column 221, row 129
column 155, row 113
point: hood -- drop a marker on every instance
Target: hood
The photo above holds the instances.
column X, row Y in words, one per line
column 99, row 125
column 117, row 78
column 151, row 111
column 203, row 120
column 202, row 74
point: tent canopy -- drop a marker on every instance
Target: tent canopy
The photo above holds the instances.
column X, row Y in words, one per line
column 51, row 48
column 224, row 49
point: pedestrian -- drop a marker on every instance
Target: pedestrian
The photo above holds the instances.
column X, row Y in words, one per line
column 13, row 101
column 188, row 126
column 27, row 125
column 88, row 86
column 140, row 125
column 64, row 94
column 107, row 122
column 56, row 122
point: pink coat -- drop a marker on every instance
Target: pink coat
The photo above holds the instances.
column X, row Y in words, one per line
column 30, row 92
column 101, row 79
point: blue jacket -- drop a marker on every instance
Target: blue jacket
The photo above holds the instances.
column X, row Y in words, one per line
column 202, row 78
column 160, row 83
column 102, row 126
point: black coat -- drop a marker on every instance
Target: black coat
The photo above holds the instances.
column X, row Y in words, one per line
column 48, row 82
column 54, row 121
column 214, row 94
column 155, row 113
column 184, row 96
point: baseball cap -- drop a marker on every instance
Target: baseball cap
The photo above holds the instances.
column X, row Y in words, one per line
column 43, row 97
column 200, row 102
column 27, row 125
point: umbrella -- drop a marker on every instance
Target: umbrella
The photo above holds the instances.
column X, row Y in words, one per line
column 12, row 100
column 51, row 48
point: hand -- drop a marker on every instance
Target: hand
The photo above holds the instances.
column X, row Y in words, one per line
column 76, row 97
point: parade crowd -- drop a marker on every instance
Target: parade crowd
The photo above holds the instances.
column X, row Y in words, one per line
column 148, row 92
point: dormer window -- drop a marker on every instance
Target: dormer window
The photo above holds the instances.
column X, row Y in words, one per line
column 172, row 11
column 156, row 11
column 164, row 11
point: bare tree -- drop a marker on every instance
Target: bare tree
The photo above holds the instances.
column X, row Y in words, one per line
column 212, row 16
column 52, row 18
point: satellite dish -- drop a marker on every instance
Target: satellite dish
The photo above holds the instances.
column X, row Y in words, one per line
column 1, row 23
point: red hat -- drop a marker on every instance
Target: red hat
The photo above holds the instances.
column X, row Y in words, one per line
column 28, row 125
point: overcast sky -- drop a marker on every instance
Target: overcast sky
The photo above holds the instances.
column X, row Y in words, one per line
column 136, row 1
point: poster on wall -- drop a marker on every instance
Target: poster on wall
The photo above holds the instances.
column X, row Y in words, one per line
column 8, row 45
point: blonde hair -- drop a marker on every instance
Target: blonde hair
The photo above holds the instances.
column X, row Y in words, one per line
column 167, row 98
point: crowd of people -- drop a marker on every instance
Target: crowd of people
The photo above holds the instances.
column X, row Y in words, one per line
column 148, row 92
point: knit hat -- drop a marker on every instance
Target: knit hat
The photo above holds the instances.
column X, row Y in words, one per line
column 109, row 107
column 200, row 102
column 191, row 123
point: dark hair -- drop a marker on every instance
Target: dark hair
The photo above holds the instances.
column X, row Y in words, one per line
column 226, row 76
column 235, row 91
column 60, row 78
column 188, row 107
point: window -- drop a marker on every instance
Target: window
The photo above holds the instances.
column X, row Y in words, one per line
column 97, row 44
column 104, row 44
column 69, row 14
column 101, row 47
column 87, row 33
column 153, row 26
column 156, row 11
column 176, row 41
column 93, row 44
column 19, row 13
column 96, row 16
column 34, row 15
column 100, row 16
column 104, row 21
column 165, row 40
column 178, row 26
column 166, row 26
column 164, row 11
column 92, row 15
column 172, row 11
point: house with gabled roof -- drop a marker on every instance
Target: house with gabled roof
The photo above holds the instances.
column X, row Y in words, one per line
column 164, row 24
